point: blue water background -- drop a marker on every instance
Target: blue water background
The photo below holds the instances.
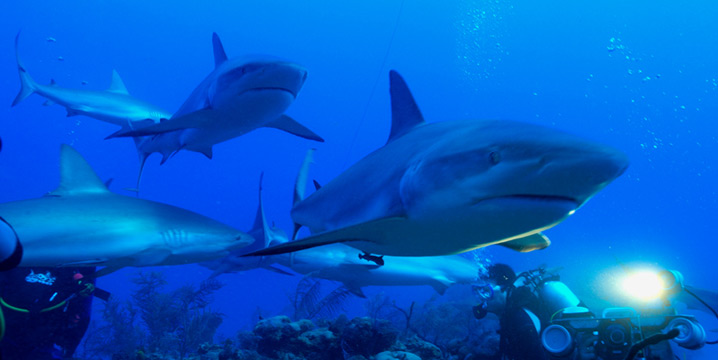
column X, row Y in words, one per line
column 641, row 76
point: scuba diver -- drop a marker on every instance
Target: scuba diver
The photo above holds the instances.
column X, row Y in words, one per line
column 524, row 305
column 44, row 312
column 10, row 248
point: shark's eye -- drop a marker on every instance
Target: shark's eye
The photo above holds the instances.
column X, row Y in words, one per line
column 494, row 157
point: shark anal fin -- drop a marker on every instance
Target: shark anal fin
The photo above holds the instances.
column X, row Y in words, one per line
column 440, row 284
column 356, row 290
column 291, row 126
column 405, row 114
column 532, row 242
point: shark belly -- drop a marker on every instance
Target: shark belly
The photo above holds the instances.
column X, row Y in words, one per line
column 230, row 119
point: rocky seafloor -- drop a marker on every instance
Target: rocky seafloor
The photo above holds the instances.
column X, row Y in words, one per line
column 361, row 338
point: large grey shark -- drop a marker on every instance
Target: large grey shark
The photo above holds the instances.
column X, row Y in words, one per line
column 114, row 105
column 448, row 187
column 240, row 95
column 83, row 223
column 342, row 263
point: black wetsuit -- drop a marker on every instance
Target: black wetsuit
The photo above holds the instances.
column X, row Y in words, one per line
column 57, row 312
column 519, row 338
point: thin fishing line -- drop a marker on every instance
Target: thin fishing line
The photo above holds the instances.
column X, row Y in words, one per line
column 376, row 83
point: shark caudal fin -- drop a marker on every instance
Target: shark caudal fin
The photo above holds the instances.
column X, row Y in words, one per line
column 261, row 229
column 300, row 184
column 27, row 84
column 76, row 175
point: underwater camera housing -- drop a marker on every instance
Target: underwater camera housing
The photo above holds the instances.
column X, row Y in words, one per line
column 623, row 332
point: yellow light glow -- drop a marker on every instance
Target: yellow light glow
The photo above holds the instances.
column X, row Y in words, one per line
column 644, row 285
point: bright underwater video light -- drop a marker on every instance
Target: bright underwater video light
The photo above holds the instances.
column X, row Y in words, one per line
column 649, row 285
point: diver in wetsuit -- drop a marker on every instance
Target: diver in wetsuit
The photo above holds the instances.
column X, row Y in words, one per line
column 524, row 305
column 44, row 311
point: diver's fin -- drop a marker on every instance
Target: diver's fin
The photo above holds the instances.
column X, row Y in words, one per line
column 350, row 233
column 117, row 86
column 291, row 126
column 219, row 55
column 405, row 114
column 532, row 242
column 76, row 175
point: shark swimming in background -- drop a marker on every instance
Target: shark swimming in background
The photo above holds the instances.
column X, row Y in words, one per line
column 82, row 223
column 342, row 263
column 449, row 187
column 114, row 105
column 240, row 95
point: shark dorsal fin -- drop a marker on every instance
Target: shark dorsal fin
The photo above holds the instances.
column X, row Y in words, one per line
column 219, row 55
column 405, row 114
column 76, row 175
column 117, row 86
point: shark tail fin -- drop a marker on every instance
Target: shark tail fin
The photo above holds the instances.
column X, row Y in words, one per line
column 27, row 84
column 286, row 123
column 261, row 229
column 143, row 155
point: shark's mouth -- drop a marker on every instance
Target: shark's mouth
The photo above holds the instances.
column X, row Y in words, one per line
column 270, row 88
column 530, row 197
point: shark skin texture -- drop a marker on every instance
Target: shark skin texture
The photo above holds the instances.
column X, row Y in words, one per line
column 82, row 223
column 449, row 187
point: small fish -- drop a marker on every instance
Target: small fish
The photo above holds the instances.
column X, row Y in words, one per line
column 60, row 58
column 84, row 82
column 379, row 260
column 51, row 39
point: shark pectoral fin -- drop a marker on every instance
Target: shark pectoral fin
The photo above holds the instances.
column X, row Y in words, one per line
column 151, row 257
column 532, row 242
column 192, row 120
column 206, row 151
column 366, row 231
column 440, row 284
column 107, row 270
column 278, row 270
column 117, row 86
column 291, row 126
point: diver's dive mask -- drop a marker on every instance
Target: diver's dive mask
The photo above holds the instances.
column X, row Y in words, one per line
column 483, row 294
